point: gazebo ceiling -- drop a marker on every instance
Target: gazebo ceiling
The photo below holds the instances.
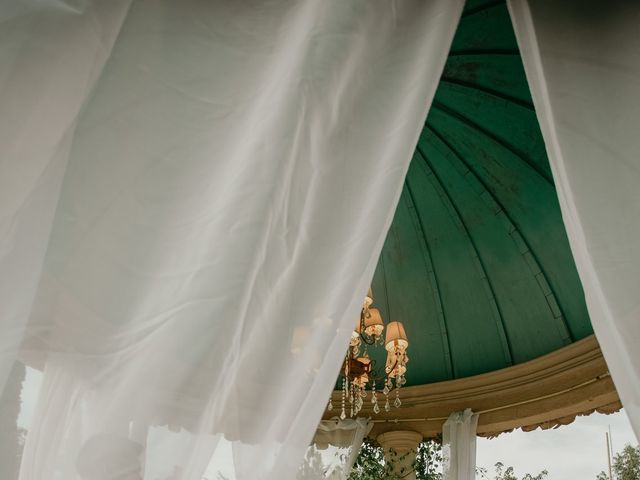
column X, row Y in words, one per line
column 477, row 264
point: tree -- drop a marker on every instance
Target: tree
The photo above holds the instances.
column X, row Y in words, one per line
column 429, row 460
column 508, row 473
column 626, row 464
column 372, row 465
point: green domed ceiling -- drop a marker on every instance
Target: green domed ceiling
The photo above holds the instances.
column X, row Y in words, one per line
column 477, row 264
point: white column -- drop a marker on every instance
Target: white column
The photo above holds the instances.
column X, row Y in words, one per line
column 400, row 448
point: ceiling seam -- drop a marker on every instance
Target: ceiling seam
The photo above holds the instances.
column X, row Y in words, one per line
column 432, row 277
column 490, row 293
column 472, row 11
column 386, row 288
column 470, row 123
column 524, row 248
column 488, row 91
column 484, row 51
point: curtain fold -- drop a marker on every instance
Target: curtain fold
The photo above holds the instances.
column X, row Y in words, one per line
column 582, row 60
column 459, row 446
column 199, row 192
column 51, row 55
column 334, row 449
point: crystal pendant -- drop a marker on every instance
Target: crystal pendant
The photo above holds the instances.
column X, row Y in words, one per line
column 343, row 415
column 385, row 390
column 397, row 402
column 387, row 407
column 376, row 408
column 330, row 406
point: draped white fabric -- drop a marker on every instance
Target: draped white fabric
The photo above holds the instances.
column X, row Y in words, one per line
column 334, row 449
column 193, row 198
column 459, row 446
column 50, row 58
column 582, row 60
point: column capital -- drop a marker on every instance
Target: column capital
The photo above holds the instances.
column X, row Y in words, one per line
column 400, row 440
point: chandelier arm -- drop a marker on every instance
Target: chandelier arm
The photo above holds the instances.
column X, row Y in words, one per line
column 367, row 339
column 375, row 377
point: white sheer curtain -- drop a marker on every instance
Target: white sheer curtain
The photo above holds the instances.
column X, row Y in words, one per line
column 194, row 197
column 334, row 449
column 459, row 446
column 51, row 55
column 583, row 64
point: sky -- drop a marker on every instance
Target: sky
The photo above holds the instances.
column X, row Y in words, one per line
column 571, row 452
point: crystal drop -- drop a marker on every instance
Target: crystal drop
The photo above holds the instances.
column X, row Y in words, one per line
column 385, row 390
column 374, row 399
column 343, row 415
column 397, row 402
column 376, row 408
column 387, row 407
column 330, row 406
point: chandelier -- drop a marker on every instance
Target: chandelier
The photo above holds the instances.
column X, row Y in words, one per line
column 358, row 370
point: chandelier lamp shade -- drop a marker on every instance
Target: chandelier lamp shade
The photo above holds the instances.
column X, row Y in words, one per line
column 358, row 373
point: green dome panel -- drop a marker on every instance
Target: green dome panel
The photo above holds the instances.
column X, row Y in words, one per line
column 477, row 264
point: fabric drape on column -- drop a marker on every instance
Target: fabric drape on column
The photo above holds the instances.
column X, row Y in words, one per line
column 582, row 60
column 334, row 449
column 204, row 189
column 459, row 446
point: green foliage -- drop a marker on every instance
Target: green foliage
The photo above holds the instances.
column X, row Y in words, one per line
column 371, row 464
column 429, row 461
column 626, row 464
column 508, row 473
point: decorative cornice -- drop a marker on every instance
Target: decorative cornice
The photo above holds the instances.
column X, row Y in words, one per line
column 545, row 392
